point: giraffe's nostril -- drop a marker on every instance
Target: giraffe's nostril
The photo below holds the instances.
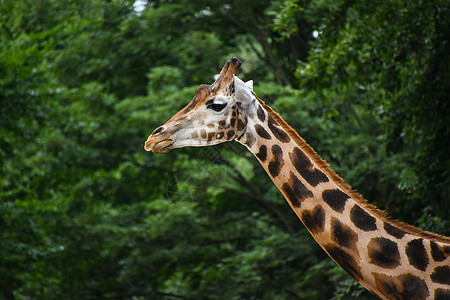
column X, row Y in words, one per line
column 158, row 130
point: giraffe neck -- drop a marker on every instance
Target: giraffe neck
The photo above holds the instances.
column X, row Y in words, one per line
column 391, row 259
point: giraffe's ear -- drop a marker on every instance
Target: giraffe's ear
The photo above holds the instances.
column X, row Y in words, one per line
column 249, row 84
column 243, row 92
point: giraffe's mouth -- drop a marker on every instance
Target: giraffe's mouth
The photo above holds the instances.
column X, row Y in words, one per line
column 159, row 147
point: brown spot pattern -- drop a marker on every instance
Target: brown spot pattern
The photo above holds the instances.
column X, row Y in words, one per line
column 305, row 168
column 362, row 219
column 437, row 252
column 343, row 258
column 394, row 231
column 406, row 287
column 343, row 235
column 222, row 124
column 240, row 125
column 262, row 154
column 261, row 114
column 279, row 133
column 262, row 132
column 441, row 294
column 336, row 199
column 211, row 135
column 441, row 274
column 230, row 134
column 383, row 252
column 277, row 162
column 203, row 133
column 314, row 219
column 295, row 191
column 417, row 255
column 250, row 139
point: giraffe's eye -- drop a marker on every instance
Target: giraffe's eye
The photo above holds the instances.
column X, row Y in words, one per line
column 216, row 106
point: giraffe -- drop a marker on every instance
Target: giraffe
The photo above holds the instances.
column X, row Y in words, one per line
column 391, row 259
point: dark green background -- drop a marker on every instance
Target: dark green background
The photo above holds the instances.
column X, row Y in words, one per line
column 86, row 213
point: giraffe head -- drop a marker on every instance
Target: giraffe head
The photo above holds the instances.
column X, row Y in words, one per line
column 216, row 114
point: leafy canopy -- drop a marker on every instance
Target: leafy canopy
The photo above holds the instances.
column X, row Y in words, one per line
column 85, row 213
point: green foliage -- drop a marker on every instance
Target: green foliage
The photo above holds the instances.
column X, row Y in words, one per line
column 373, row 73
column 86, row 213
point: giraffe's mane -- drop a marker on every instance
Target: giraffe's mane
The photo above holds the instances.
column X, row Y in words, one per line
column 310, row 152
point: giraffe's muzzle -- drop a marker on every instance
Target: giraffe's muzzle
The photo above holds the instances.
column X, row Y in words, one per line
column 158, row 146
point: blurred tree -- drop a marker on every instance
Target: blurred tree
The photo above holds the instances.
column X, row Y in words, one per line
column 365, row 64
column 86, row 213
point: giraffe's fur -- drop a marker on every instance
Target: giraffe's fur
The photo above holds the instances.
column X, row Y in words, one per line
column 322, row 164
column 401, row 243
column 391, row 259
